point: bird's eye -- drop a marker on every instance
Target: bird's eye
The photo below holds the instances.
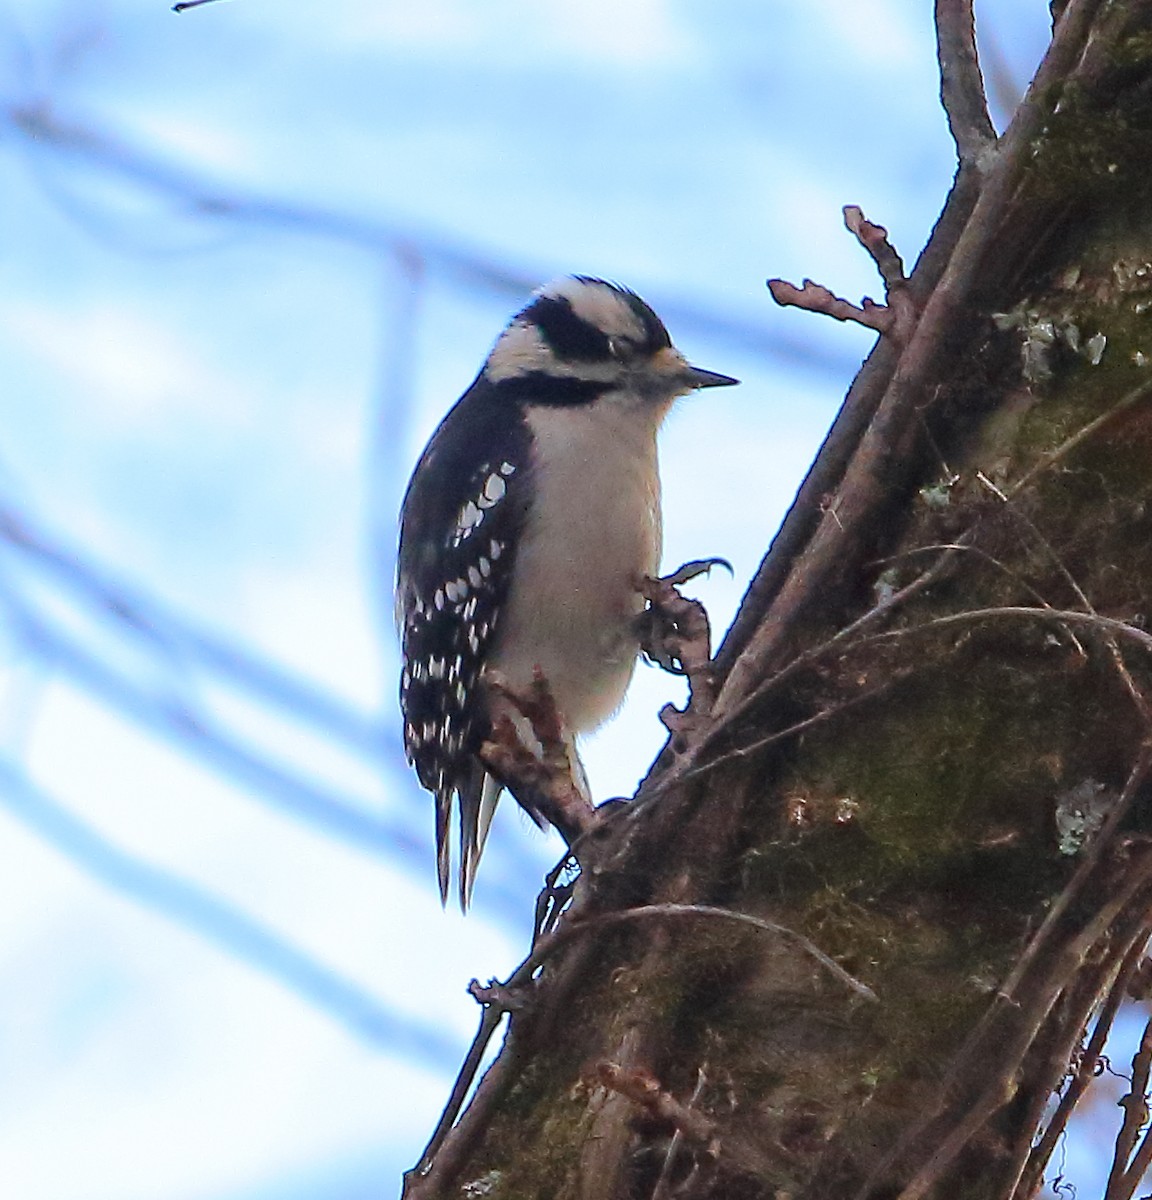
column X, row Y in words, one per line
column 621, row 348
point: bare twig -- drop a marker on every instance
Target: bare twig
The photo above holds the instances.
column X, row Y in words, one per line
column 874, row 239
column 818, row 299
column 1038, row 537
column 896, row 318
column 573, row 929
column 1046, row 461
column 643, row 1089
column 664, row 1182
column 1135, row 1106
column 1090, row 621
column 748, row 749
column 961, row 83
column 1141, row 1161
column 1034, row 1158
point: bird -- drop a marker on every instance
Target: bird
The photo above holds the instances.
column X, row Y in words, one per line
column 528, row 524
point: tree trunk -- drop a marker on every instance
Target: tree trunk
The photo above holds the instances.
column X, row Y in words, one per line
column 923, row 773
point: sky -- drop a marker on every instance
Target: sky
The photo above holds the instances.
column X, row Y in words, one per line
column 250, row 254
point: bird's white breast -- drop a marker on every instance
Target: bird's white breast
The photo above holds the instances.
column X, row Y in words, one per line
column 592, row 532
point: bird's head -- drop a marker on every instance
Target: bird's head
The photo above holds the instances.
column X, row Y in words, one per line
column 582, row 339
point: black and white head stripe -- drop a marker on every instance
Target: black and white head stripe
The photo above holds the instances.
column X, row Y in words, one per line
column 578, row 328
column 590, row 320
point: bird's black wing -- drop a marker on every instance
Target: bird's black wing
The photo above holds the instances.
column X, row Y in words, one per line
column 461, row 519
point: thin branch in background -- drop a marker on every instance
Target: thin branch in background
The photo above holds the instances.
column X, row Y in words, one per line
column 146, row 618
column 347, row 818
column 195, row 733
column 225, row 926
column 961, row 83
column 43, row 131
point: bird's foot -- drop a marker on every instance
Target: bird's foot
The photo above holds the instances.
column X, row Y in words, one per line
column 675, row 634
column 527, row 750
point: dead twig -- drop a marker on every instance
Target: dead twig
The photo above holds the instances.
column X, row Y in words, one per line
column 1046, row 461
column 814, row 297
column 1061, row 616
column 896, row 318
column 643, row 1089
column 730, row 1152
column 664, row 1183
column 874, row 239
column 566, row 933
column 419, row 1182
column 748, row 749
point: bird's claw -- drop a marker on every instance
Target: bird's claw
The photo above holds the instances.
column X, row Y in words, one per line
column 694, row 569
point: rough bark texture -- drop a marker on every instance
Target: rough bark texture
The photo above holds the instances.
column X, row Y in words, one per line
column 911, row 782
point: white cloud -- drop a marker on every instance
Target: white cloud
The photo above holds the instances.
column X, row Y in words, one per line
column 134, row 368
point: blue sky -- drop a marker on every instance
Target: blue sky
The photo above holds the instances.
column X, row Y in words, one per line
column 250, row 255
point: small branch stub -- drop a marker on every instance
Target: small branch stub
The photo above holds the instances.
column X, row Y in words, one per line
column 895, row 319
column 644, row 1090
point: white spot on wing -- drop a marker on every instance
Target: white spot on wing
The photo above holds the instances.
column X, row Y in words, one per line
column 494, row 489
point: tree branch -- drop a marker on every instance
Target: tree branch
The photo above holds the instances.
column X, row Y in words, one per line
column 961, row 82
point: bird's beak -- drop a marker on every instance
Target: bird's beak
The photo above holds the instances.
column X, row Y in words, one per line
column 699, row 378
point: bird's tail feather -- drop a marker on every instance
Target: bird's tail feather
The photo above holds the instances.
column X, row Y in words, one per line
column 477, row 805
column 443, row 843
